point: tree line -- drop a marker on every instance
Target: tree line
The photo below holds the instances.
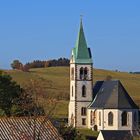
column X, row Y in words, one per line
column 17, row 64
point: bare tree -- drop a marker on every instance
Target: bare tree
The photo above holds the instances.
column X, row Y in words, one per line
column 31, row 104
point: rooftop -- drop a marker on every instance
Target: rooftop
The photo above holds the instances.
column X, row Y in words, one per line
column 111, row 95
column 116, row 135
column 81, row 53
column 24, row 128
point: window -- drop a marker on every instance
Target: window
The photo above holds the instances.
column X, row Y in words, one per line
column 83, row 121
column 72, row 120
column 99, row 118
column 72, row 73
column 72, row 58
column 135, row 118
column 72, row 91
column 91, row 118
column 83, row 91
column 85, row 73
column 83, row 111
column 110, row 119
column 81, row 73
column 124, row 118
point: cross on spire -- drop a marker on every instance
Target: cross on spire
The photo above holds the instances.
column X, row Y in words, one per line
column 81, row 16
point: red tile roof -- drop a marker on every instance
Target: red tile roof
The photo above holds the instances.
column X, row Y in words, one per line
column 25, row 128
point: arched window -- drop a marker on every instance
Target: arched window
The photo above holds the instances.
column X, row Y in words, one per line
column 72, row 58
column 81, row 73
column 91, row 117
column 72, row 120
column 110, row 119
column 124, row 118
column 72, row 73
column 83, row 91
column 99, row 118
column 85, row 73
column 83, row 111
column 135, row 118
column 72, row 91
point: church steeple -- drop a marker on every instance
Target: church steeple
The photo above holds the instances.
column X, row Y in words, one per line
column 81, row 52
column 81, row 78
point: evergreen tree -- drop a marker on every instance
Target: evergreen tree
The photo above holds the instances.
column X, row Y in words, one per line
column 9, row 90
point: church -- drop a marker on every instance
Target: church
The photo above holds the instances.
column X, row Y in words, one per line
column 106, row 105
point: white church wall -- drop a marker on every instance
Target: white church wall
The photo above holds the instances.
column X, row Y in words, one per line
column 71, row 111
column 72, row 66
column 88, row 118
column 72, row 87
column 79, row 116
column 100, row 119
column 100, row 136
column 71, row 107
column 129, row 125
column 115, row 119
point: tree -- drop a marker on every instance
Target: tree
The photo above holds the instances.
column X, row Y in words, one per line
column 16, row 101
column 9, row 90
column 35, row 89
column 25, row 68
column 69, row 133
column 1, row 72
column 29, row 104
column 16, row 64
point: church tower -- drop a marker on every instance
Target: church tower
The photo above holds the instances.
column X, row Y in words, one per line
column 81, row 81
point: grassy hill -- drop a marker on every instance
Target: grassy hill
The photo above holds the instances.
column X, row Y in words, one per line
column 56, row 83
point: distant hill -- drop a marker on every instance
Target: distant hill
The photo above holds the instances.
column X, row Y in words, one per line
column 56, row 81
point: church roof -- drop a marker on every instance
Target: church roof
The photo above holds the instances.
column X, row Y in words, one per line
column 116, row 135
column 81, row 52
column 111, row 95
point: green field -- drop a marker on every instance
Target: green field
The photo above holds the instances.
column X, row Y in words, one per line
column 56, row 83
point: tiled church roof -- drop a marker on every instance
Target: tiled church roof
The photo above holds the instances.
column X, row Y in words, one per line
column 24, row 128
column 112, row 95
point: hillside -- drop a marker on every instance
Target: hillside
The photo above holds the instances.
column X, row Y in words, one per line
column 56, row 82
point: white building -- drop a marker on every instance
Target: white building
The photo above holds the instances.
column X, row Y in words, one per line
column 104, row 106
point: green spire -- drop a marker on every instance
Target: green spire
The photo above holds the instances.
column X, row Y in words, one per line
column 81, row 51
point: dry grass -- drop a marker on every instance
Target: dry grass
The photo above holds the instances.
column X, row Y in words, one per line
column 56, row 81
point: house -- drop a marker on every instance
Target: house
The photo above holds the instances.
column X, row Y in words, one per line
column 26, row 128
column 115, row 135
column 104, row 106
column 112, row 108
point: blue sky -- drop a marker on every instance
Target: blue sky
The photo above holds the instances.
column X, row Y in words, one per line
column 46, row 29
